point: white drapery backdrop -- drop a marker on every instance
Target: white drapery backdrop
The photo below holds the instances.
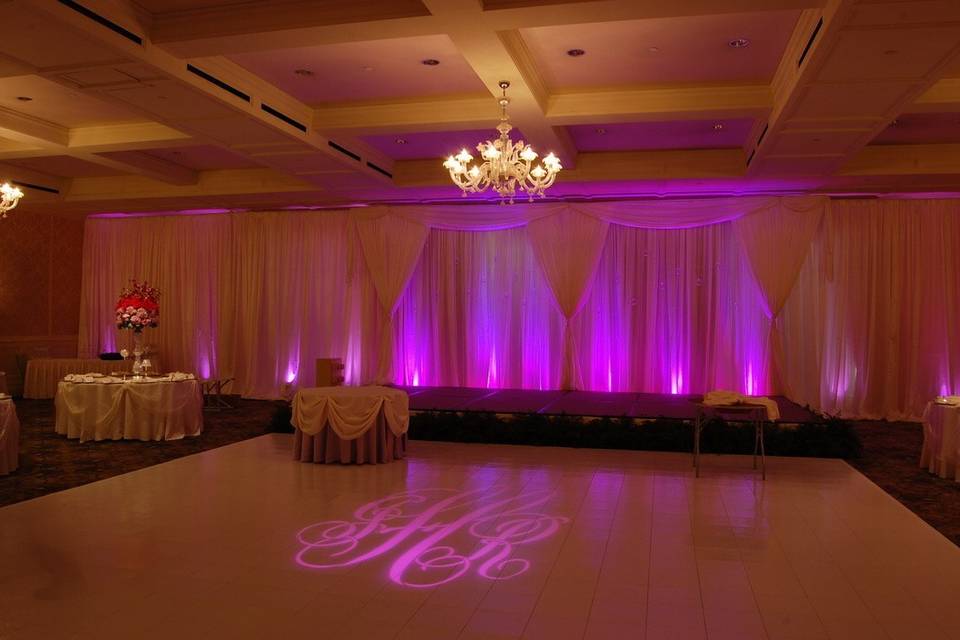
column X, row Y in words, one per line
column 659, row 296
column 872, row 326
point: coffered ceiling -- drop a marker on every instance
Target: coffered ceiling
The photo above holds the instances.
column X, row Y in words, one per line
column 116, row 105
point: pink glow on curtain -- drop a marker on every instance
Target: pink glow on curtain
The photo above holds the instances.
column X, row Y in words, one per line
column 478, row 313
column 673, row 311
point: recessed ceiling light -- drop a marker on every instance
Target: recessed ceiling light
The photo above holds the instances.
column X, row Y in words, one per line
column 401, row 141
column 739, row 43
column 368, row 69
column 303, row 72
column 24, row 98
column 718, row 126
column 653, row 49
column 601, row 131
column 575, row 53
column 430, row 62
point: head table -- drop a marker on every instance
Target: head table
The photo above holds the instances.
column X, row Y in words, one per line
column 44, row 374
column 350, row 424
column 94, row 407
column 9, row 436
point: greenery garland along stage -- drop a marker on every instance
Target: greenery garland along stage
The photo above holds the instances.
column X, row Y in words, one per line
column 830, row 438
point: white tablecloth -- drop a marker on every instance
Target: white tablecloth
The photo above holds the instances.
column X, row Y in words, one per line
column 350, row 424
column 159, row 410
column 9, row 437
column 44, row 374
column 941, row 440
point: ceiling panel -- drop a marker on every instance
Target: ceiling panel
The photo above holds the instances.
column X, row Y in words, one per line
column 366, row 70
column 663, row 50
column 433, row 144
column 58, row 104
column 922, row 128
column 680, row 134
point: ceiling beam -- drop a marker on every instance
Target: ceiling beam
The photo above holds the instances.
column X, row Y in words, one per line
column 659, row 103
column 211, row 183
column 496, row 56
column 213, row 99
column 607, row 166
column 904, row 160
column 258, row 26
column 44, row 138
column 943, row 96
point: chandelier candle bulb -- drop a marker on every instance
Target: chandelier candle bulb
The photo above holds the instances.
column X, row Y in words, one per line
column 9, row 198
column 506, row 166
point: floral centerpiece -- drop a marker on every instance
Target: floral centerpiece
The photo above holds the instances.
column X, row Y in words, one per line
column 138, row 307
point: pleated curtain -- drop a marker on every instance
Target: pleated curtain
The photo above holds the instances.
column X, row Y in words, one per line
column 852, row 308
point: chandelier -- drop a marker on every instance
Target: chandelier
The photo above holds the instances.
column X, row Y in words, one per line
column 9, row 198
column 506, row 166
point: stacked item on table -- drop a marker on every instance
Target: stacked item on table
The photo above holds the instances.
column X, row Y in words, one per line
column 721, row 398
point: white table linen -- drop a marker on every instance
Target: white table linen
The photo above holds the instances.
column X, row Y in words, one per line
column 44, row 374
column 350, row 424
column 9, row 436
column 109, row 409
column 941, row 439
column 722, row 398
column 350, row 411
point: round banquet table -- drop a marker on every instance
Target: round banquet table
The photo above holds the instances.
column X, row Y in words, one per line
column 44, row 374
column 110, row 409
column 9, row 436
column 350, row 424
column 941, row 440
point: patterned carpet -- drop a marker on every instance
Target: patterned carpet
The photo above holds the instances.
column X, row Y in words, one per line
column 891, row 459
column 49, row 462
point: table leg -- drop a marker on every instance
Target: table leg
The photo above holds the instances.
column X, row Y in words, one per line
column 697, row 427
column 763, row 452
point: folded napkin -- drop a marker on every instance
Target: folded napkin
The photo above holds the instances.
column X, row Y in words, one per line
column 78, row 377
column 721, row 397
column 178, row 376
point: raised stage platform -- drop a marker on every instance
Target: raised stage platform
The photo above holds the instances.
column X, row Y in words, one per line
column 576, row 403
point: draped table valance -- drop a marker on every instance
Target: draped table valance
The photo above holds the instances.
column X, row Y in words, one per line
column 9, row 436
column 153, row 409
column 350, row 424
column 941, row 439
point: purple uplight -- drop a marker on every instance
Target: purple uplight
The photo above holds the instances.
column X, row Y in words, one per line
column 291, row 375
column 423, row 526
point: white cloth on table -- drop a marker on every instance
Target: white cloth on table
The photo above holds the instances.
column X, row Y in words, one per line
column 44, row 374
column 724, row 398
column 146, row 409
column 941, row 439
column 350, row 411
column 9, row 436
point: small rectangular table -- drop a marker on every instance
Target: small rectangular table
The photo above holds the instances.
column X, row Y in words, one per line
column 941, row 440
column 350, row 424
column 753, row 414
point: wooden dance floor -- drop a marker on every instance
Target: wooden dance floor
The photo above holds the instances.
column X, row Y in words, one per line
column 577, row 403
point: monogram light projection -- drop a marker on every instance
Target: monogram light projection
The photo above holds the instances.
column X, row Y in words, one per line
column 435, row 535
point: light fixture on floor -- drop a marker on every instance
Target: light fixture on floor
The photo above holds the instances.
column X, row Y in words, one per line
column 506, row 166
column 9, row 198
